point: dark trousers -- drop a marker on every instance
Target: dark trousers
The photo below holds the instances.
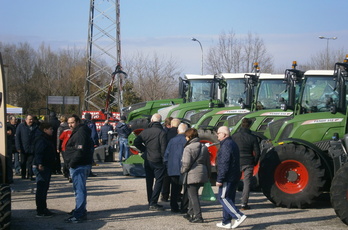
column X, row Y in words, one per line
column 66, row 172
column 26, row 164
column 184, row 200
column 248, row 173
column 166, row 186
column 57, row 163
column 43, row 179
column 227, row 195
column 194, row 204
column 154, row 170
column 175, row 192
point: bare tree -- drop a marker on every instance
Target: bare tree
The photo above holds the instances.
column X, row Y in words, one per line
column 324, row 60
column 153, row 77
column 233, row 55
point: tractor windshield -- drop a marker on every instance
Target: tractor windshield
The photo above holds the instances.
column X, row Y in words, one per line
column 269, row 93
column 319, row 94
column 200, row 90
column 235, row 91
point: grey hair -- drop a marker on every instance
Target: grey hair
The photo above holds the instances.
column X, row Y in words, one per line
column 182, row 128
column 225, row 130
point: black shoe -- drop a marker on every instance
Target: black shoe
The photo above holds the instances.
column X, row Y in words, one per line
column 71, row 213
column 59, row 172
column 32, row 178
column 75, row 220
column 156, row 207
column 245, row 207
column 187, row 217
column 92, row 175
column 70, row 180
column 197, row 220
column 47, row 213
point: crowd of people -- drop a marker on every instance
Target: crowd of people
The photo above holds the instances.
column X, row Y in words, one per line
column 176, row 164
column 35, row 149
column 174, row 151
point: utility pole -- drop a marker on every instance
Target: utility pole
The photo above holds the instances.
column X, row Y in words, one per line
column 103, row 54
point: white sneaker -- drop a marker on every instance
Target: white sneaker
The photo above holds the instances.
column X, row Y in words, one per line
column 239, row 221
column 222, row 225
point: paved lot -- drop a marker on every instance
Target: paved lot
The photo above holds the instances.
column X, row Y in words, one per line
column 119, row 202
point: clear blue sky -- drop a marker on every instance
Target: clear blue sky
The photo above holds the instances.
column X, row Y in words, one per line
column 290, row 29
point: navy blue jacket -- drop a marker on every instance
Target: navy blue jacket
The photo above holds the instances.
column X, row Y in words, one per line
column 45, row 151
column 123, row 130
column 94, row 134
column 103, row 134
column 25, row 138
column 173, row 154
column 228, row 169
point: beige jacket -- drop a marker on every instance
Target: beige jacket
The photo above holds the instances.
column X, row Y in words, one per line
column 200, row 169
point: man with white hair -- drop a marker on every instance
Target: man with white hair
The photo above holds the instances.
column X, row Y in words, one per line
column 172, row 159
column 153, row 142
column 228, row 175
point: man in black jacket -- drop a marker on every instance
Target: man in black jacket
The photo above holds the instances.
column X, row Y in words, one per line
column 43, row 165
column 153, row 142
column 249, row 151
column 79, row 151
column 25, row 135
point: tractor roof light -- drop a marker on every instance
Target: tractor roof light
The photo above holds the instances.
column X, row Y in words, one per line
column 294, row 64
column 346, row 59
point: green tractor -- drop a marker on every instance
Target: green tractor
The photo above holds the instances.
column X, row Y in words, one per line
column 136, row 113
column 198, row 91
column 338, row 150
column 265, row 95
column 296, row 165
column 5, row 190
column 206, row 97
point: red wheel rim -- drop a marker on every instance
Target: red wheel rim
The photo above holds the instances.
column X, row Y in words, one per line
column 136, row 132
column 212, row 151
column 291, row 176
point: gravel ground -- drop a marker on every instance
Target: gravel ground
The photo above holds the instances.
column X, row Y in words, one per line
column 116, row 201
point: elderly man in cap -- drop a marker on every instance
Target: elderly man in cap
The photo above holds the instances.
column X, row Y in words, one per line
column 123, row 131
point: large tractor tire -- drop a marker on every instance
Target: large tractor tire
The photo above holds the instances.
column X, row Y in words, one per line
column 209, row 136
column 339, row 193
column 5, row 206
column 291, row 176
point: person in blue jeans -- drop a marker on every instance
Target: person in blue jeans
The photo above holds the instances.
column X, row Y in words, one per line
column 123, row 131
column 43, row 164
column 80, row 157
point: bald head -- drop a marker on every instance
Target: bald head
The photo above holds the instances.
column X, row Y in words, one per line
column 156, row 117
column 223, row 132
